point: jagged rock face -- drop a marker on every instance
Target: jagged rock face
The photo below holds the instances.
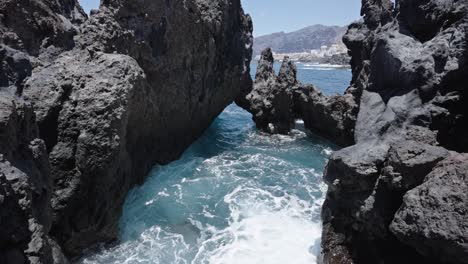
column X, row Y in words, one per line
column 332, row 117
column 376, row 12
column 270, row 100
column 97, row 120
column 25, row 186
column 276, row 101
column 110, row 96
column 27, row 29
column 15, row 67
column 433, row 218
column 37, row 25
column 107, row 119
column 409, row 69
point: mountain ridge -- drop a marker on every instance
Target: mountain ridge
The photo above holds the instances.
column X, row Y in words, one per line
column 302, row 40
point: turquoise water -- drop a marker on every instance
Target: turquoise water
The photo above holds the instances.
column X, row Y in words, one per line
column 236, row 196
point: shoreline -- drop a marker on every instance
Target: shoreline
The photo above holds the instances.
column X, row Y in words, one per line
column 315, row 64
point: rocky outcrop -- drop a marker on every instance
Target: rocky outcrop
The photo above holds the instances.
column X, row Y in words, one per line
column 332, row 117
column 432, row 218
column 25, row 186
column 40, row 26
column 28, row 30
column 270, row 100
column 397, row 195
column 277, row 101
column 102, row 100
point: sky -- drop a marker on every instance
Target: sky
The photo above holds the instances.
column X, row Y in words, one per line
column 271, row 16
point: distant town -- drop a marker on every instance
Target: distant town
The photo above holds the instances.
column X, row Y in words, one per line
column 336, row 54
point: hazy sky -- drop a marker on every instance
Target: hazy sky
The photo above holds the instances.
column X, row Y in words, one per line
column 288, row 15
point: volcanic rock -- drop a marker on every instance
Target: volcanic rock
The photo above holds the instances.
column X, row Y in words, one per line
column 433, row 217
column 386, row 194
column 277, row 101
column 270, row 100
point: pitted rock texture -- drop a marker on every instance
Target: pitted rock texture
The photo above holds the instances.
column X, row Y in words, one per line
column 433, row 218
column 105, row 98
column 40, row 26
column 393, row 193
column 270, row 100
column 276, row 101
column 25, row 186
column 332, row 117
column 28, row 30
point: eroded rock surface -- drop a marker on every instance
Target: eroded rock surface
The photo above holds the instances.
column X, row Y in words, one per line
column 89, row 105
column 25, row 186
column 270, row 100
column 396, row 195
column 433, row 218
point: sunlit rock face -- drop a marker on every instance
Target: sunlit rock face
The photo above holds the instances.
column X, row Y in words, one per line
column 110, row 96
column 409, row 68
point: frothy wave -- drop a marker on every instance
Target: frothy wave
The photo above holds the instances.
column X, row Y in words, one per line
column 247, row 197
column 263, row 228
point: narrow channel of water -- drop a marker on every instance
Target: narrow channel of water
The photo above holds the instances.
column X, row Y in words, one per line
column 236, row 196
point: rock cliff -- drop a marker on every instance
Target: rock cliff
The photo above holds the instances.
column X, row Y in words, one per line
column 89, row 105
column 399, row 194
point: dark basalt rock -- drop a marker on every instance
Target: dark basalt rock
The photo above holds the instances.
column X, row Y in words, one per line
column 332, row 117
column 92, row 104
column 270, row 100
column 433, row 217
column 40, row 26
column 276, row 101
column 25, row 186
column 384, row 194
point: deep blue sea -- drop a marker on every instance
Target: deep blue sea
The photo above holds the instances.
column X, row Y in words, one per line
column 236, row 196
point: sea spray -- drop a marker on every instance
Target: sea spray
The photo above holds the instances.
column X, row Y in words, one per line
column 236, row 196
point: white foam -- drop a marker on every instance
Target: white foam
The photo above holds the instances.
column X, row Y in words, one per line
column 263, row 229
column 327, row 151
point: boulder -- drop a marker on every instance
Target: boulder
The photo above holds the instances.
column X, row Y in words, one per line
column 433, row 217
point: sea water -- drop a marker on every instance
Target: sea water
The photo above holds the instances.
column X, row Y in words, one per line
column 236, row 196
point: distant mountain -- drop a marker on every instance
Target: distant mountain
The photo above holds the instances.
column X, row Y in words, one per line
column 312, row 37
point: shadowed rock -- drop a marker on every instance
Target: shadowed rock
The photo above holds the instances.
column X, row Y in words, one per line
column 433, row 217
column 409, row 66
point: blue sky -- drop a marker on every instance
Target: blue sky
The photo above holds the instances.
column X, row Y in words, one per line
column 89, row 4
column 288, row 15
